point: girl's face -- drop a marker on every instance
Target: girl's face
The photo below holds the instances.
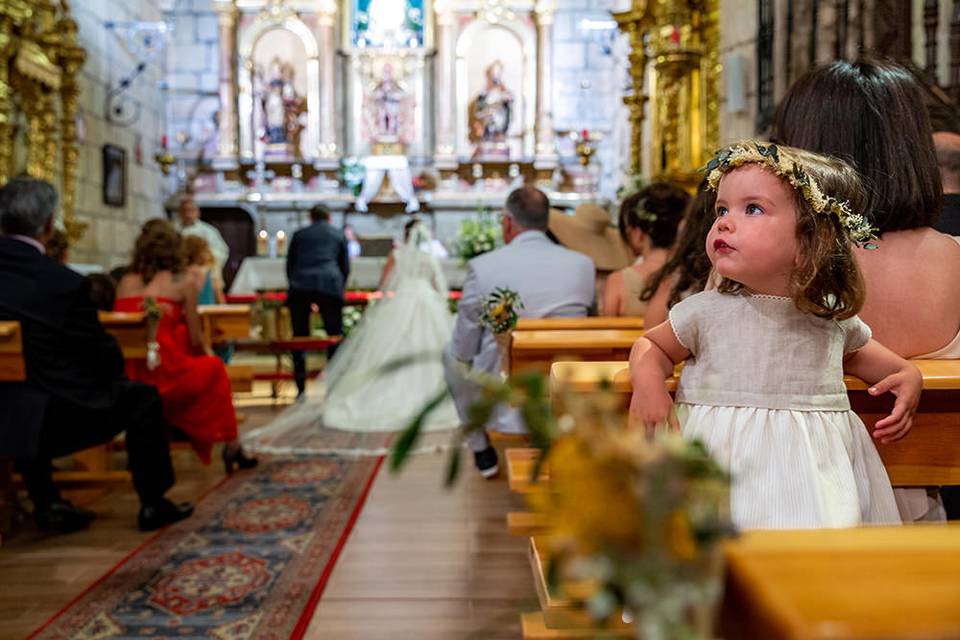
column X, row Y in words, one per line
column 753, row 240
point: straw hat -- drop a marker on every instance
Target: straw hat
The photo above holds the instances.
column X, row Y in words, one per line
column 588, row 231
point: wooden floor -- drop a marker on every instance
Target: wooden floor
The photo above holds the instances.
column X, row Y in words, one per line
column 421, row 563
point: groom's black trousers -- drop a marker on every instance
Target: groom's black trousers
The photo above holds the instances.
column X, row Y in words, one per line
column 331, row 310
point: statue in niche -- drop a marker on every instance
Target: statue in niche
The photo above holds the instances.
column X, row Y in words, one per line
column 281, row 109
column 490, row 114
column 385, row 109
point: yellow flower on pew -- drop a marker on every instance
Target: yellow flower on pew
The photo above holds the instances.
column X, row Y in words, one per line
column 635, row 522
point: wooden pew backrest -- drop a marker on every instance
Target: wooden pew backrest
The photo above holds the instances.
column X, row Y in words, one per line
column 130, row 331
column 579, row 324
column 537, row 350
column 928, row 456
column 12, row 366
column 224, row 322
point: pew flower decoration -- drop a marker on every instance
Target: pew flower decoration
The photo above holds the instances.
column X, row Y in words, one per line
column 499, row 312
column 477, row 236
column 633, row 526
column 153, row 313
column 351, row 318
column 499, row 315
column 636, row 525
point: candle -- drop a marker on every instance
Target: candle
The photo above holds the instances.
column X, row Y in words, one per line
column 163, row 141
column 263, row 243
column 281, row 243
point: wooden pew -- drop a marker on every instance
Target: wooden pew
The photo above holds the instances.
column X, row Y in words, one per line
column 809, row 584
column 12, row 369
column 224, row 322
column 928, row 456
column 579, row 324
column 537, row 350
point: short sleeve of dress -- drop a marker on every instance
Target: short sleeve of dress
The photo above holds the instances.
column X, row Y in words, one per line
column 684, row 319
column 856, row 334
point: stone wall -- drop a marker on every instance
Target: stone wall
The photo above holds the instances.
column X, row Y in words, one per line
column 111, row 230
column 738, row 85
column 192, row 67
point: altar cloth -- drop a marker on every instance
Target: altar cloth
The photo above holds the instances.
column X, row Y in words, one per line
column 269, row 274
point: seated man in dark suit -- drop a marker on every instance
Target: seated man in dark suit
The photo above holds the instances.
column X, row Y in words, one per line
column 318, row 264
column 75, row 395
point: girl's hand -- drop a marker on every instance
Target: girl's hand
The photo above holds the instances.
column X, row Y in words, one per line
column 906, row 385
column 651, row 406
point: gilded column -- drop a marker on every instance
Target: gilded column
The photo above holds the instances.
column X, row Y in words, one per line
column 326, row 32
column 72, row 58
column 445, row 151
column 227, row 147
column 634, row 23
column 545, row 11
column 8, row 48
column 711, row 76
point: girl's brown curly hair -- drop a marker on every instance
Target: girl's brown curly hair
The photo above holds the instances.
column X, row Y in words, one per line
column 826, row 280
column 196, row 250
column 158, row 248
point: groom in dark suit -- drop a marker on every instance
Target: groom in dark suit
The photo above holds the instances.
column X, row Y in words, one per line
column 318, row 264
column 76, row 394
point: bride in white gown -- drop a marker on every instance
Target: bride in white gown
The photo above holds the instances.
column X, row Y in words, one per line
column 411, row 320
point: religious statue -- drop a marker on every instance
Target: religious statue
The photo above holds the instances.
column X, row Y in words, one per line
column 490, row 114
column 385, row 110
column 281, row 108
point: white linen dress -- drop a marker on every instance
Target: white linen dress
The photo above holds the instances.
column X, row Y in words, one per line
column 763, row 389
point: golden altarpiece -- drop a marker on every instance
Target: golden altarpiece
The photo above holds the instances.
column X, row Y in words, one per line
column 39, row 65
column 457, row 87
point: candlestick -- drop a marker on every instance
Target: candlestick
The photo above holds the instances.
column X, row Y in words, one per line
column 263, row 242
column 281, row 243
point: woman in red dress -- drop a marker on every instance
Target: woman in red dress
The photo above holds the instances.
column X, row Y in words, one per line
column 192, row 382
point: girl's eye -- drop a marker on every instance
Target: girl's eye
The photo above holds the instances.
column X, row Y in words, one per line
column 721, row 211
column 754, row 210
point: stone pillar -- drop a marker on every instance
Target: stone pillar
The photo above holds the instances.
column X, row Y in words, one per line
column 228, row 129
column 445, row 148
column 326, row 37
column 546, row 153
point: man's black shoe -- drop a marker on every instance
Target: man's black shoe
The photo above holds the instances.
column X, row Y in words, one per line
column 486, row 462
column 63, row 517
column 160, row 514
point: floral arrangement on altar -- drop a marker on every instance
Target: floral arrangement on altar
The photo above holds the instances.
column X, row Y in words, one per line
column 352, row 173
column 477, row 236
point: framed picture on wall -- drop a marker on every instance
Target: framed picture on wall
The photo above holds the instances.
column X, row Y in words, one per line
column 114, row 175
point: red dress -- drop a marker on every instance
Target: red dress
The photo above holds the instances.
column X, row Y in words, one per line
column 194, row 389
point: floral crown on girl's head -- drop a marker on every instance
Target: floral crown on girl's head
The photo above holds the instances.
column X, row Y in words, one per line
column 855, row 225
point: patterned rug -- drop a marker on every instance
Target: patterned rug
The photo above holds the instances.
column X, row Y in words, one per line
column 252, row 562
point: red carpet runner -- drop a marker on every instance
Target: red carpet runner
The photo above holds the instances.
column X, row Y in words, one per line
column 252, row 562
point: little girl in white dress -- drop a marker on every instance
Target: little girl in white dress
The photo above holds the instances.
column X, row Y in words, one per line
column 767, row 350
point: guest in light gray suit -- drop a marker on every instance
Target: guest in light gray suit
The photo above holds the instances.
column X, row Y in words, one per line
column 552, row 282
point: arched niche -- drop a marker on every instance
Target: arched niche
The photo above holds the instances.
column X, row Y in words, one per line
column 512, row 42
column 289, row 38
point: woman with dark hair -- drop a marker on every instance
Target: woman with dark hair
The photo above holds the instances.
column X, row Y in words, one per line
column 648, row 224
column 687, row 268
column 192, row 382
column 871, row 114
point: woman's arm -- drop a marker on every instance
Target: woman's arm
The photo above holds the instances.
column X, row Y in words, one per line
column 652, row 359
column 190, row 296
column 886, row 371
column 387, row 270
column 612, row 293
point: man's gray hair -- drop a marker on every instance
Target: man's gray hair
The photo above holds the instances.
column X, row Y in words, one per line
column 529, row 207
column 26, row 206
